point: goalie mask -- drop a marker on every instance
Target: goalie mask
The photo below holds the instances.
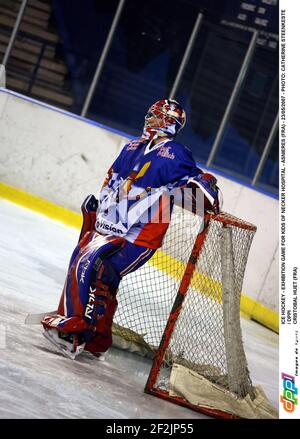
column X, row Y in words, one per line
column 164, row 118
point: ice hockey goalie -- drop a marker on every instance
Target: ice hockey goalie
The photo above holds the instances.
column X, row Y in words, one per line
column 124, row 227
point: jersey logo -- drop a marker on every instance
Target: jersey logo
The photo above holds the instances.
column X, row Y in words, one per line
column 164, row 151
column 91, row 304
column 85, row 267
column 132, row 146
column 108, row 227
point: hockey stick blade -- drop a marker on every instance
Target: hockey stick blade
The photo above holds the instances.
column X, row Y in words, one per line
column 35, row 319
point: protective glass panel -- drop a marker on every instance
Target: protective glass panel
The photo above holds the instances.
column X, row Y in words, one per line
column 142, row 62
column 208, row 82
column 57, row 48
column 269, row 179
column 252, row 117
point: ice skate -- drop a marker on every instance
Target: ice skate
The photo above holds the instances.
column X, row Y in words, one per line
column 68, row 344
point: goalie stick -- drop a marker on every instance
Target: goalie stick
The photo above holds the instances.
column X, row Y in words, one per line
column 35, row 319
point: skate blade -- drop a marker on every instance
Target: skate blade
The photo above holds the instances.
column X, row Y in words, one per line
column 97, row 357
column 60, row 347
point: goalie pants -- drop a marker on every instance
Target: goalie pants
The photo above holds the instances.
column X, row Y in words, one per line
column 118, row 258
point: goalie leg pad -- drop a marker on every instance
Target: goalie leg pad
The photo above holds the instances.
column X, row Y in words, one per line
column 89, row 209
column 88, row 303
column 98, row 315
column 82, row 275
column 102, row 339
column 91, row 282
column 125, row 261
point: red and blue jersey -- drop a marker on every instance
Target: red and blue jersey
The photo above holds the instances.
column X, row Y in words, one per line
column 136, row 190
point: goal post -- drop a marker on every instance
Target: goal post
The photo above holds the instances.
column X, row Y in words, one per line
column 183, row 288
column 238, row 376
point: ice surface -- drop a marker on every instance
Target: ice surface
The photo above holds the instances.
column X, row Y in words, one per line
column 37, row 382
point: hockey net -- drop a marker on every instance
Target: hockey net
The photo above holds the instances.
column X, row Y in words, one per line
column 182, row 308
